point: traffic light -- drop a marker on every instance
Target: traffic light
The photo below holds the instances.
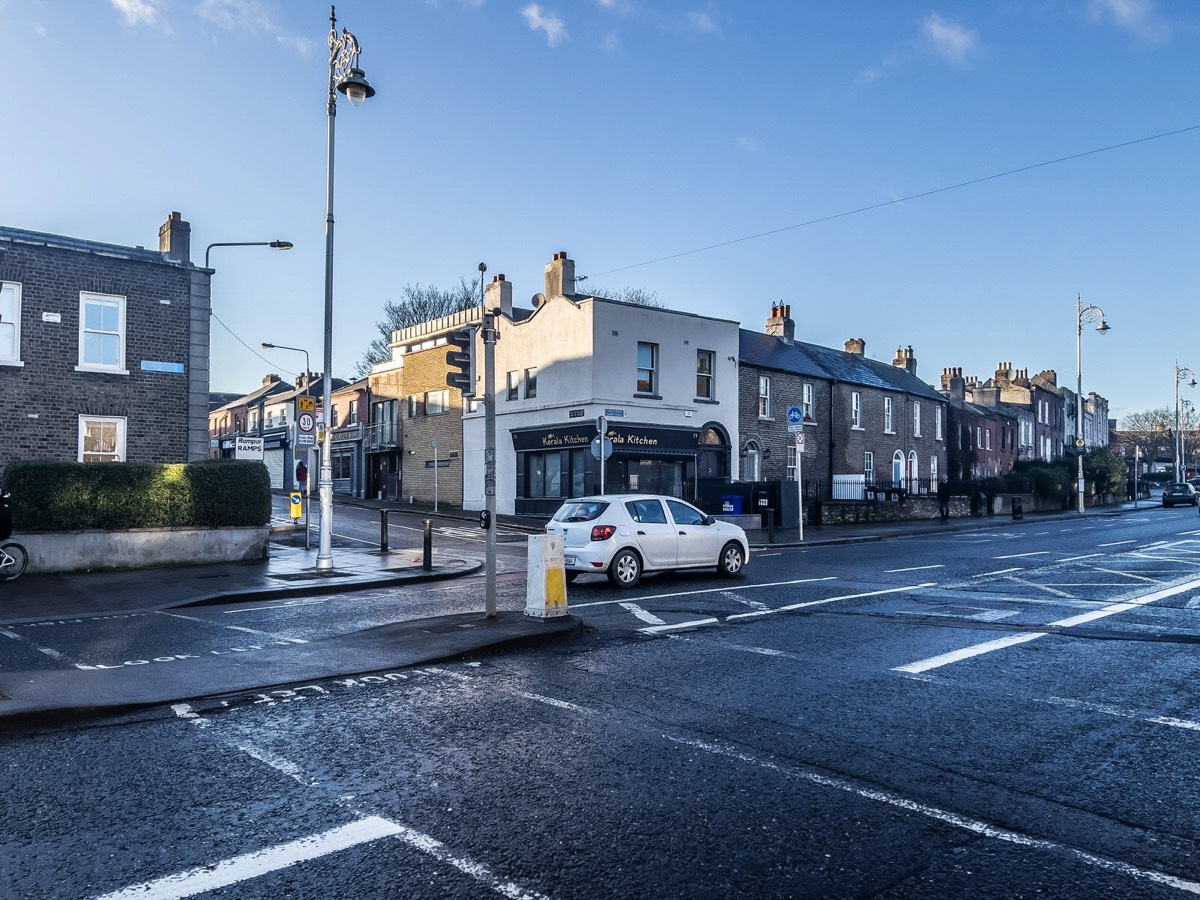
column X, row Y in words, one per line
column 460, row 356
column 485, row 519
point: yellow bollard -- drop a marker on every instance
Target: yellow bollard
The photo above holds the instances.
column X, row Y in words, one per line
column 295, row 504
column 545, row 577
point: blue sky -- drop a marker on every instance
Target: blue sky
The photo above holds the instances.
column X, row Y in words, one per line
column 631, row 133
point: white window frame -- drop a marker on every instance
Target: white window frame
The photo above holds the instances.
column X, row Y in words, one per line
column 85, row 298
column 887, row 416
column 868, row 467
column 764, row 397
column 705, row 385
column 791, row 463
column 121, row 430
column 651, row 370
column 937, row 423
column 15, row 323
column 856, row 410
column 916, row 418
column 807, row 403
column 933, row 470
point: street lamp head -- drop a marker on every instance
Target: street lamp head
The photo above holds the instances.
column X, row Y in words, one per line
column 281, row 245
column 1102, row 327
column 356, row 87
column 267, row 346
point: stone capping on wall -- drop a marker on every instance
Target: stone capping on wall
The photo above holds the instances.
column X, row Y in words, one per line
column 142, row 548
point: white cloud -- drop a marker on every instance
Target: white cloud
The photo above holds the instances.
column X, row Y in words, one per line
column 1137, row 16
column 702, row 22
column 251, row 17
column 551, row 24
column 138, row 12
column 747, row 144
column 949, row 40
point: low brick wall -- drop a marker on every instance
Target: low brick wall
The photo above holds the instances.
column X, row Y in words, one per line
column 141, row 548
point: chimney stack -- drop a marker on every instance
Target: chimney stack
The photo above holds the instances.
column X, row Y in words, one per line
column 905, row 360
column 175, row 239
column 560, row 276
column 857, row 346
column 499, row 293
column 954, row 384
column 780, row 324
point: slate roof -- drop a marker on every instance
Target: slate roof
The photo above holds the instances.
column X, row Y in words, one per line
column 766, row 351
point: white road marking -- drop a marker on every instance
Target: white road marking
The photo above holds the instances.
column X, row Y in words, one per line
column 53, row 654
column 1124, row 713
column 265, row 634
column 753, row 604
column 1077, row 558
column 914, row 569
column 1019, row 555
column 1116, row 543
column 766, row 651
column 975, row 826
column 720, row 590
column 550, row 701
column 280, row 605
column 954, row 656
column 998, row 572
column 1124, row 574
column 659, row 629
column 646, row 617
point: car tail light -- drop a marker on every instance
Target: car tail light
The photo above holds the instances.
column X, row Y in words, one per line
column 603, row 532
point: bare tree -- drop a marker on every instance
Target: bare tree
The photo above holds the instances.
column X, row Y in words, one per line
column 1154, row 431
column 638, row 296
column 420, row 304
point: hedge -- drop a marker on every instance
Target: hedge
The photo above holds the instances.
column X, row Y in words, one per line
column 71, row 496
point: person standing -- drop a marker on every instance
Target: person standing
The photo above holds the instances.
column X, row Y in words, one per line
column 943, row 495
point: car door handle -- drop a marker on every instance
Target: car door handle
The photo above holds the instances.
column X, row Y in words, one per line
column 642, row 533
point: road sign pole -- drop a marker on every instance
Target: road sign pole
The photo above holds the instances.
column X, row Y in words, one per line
column 601, row 429
column 800, row 479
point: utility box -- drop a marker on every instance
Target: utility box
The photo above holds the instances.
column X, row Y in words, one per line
column 545, row 577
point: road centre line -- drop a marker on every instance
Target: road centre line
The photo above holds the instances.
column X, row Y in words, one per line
column 954, row 656
column 1019, row 555
column 975, row 826
column 914, row 569
column 660, row 629
column 720, row 590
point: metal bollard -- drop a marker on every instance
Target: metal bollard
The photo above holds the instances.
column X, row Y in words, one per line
column 770, row 525
column 383, row 530
column 427, row 562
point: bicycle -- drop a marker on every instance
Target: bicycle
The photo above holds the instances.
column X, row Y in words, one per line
column 13, row 557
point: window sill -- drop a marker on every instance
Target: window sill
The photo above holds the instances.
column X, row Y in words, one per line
column 16, row 363
column 888, row 431
column 857, row 428
column 647, row 396
column 97, row 370
column 766, row 418
column 706, row 400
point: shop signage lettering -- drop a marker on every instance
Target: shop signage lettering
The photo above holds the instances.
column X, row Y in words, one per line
column 565, row 440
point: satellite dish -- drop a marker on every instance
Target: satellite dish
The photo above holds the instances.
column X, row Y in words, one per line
column 538, row 300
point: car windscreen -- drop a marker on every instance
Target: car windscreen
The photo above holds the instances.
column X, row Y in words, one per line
column 573, row 511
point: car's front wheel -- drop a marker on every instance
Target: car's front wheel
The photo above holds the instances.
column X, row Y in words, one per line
column 625, row 570
column 731, row 560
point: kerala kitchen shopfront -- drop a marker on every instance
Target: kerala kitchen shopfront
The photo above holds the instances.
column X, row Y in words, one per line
column 553, row 464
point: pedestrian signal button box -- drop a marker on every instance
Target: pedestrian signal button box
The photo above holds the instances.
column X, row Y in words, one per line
column 295, row 502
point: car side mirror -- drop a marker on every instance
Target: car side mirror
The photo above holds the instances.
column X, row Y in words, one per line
column 710, row 520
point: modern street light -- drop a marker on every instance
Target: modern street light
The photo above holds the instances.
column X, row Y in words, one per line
column 276, row 245
column 1082, row 314
column 307, row 387
column 1181, row 372
column 347, row 78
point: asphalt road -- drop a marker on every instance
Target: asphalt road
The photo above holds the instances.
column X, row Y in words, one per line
column 999, row 713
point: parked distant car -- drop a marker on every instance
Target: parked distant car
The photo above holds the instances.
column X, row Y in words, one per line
column 1180, row 493
column 624, row 535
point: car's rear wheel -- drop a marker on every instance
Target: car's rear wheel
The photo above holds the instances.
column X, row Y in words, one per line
column 625, row 570
column 731, row 560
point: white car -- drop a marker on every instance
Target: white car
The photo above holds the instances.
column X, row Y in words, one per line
column 624, row 535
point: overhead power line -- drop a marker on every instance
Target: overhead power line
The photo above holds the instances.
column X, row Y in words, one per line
column 881, row 205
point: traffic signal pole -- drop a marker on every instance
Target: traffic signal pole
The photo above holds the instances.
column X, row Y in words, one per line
column 489, row 459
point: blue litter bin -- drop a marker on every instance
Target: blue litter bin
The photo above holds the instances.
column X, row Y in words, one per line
column 731, row 505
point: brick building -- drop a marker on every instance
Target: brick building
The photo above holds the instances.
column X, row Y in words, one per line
column 103, row 349
column 866, row 423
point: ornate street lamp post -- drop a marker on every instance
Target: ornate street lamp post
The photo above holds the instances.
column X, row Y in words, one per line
column 347, row 78
column 1082, row 314
column 1181, row 372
